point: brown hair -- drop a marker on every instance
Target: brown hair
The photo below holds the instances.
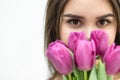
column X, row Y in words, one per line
column 53, row 13
column 116, row 8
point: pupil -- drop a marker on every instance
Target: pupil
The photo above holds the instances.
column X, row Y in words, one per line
column 102, row 22
column 75, row 22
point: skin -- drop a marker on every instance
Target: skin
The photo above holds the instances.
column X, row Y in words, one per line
column 88, row 15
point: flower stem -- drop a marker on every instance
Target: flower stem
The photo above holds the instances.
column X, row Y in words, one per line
column 69, row 77
column 85, row 75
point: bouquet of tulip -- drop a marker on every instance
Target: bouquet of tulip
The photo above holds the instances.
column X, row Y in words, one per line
column 84, row 59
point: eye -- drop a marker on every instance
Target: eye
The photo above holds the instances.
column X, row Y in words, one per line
column 75, row 22
column 103, row 22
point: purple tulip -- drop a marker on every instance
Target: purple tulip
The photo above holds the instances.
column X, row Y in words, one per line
column 84, row 55
column 74, row 36
column 101, row 41
column 59, row 56
column 112, row 59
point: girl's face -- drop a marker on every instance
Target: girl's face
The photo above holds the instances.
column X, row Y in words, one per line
column 87, row 15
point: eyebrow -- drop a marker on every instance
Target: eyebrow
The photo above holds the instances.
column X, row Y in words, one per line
column 104, row 16
column 81, row 17
column 73, row 16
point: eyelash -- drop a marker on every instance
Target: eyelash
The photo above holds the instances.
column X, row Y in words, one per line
column 72, row 21
column 105, row 20
column 76, row 21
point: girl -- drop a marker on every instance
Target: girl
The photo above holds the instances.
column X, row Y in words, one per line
column 65, row 16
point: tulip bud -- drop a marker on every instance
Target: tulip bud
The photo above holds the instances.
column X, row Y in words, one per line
column 59, row 56
column 112, row 59
column 74, row 36
column 85, row 53
column 101, row 41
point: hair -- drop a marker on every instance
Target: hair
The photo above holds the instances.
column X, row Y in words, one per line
column 54, row 11
column 116, row 8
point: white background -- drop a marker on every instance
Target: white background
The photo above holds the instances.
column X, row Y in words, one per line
column 21, row 40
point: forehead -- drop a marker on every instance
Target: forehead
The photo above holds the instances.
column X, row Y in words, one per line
column 92, row 7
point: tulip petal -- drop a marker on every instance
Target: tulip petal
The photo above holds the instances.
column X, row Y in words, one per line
column 113, row 62
column 101, row 40
column 74, row 36
column 108, row 51
column 84, row 55
column 59, row 56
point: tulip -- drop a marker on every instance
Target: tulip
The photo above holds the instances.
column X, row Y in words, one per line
column 84, row 55
column 101, row 41
column 60, row 57
column 74, row 36
column 112, row 59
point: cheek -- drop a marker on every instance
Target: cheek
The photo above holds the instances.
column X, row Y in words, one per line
column 64, row 34
column 111, row 39
column 111, row 35
column 111, row 31
column 64, row 37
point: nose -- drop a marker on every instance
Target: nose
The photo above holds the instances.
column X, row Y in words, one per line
column 88, row 32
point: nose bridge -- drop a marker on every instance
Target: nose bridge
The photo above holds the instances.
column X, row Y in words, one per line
column 88, row 31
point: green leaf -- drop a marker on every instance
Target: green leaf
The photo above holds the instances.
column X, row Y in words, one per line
column 101, row 71
column 78, row 74
column 65, row 77
column 93, row 74
column 109, row 78
column 74, row 78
